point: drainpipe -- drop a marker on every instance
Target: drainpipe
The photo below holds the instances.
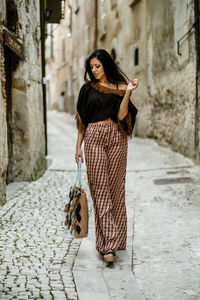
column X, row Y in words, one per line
column 96, row 23
column 42, row 32
column 197, row 49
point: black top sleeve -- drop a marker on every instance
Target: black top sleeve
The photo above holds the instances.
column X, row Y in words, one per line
column 127, row 124
column 81, row 120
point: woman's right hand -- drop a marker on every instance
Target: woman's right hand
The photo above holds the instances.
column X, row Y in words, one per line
column 78, row 154
column 132, row 85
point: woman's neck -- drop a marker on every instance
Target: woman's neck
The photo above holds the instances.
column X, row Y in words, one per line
column 103, row 80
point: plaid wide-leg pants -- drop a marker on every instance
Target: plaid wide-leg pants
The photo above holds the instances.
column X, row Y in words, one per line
column 105, row 151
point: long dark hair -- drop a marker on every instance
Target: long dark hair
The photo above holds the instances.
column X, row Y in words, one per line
column 113, row 73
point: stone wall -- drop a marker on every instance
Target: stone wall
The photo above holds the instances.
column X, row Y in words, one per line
column 3, row 127
column 27, row 158
column 171, row 79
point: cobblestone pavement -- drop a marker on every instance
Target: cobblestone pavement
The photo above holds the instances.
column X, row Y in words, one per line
column 40, row 260
column 37, row 252
column 166, row 244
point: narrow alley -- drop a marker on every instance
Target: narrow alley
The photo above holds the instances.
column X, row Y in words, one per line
column 40, row 260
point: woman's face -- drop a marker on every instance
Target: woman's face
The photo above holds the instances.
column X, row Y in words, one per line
column 97, row 68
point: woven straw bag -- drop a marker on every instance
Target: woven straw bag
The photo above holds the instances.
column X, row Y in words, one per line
column 77, row 208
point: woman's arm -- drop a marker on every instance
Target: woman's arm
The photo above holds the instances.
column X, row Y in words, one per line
column 123, row 109
column 79, row 152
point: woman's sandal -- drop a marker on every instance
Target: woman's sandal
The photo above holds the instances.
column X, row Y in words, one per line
column 109, row 256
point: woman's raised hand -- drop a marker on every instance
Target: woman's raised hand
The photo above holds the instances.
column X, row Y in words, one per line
column 133, row 84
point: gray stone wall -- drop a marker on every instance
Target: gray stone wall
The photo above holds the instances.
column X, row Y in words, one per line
column 3, row 125
column 171, row 76
column 28, row 142
column 3, row 129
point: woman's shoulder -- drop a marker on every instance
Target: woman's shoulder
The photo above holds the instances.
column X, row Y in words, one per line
column 84, row 87
column 122, row 86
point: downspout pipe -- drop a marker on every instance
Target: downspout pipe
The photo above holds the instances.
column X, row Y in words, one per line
column 96, row 23
column 42, row 32
column 197, row 50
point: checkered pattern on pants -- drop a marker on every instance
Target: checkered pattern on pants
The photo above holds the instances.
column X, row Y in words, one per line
column 106, row 159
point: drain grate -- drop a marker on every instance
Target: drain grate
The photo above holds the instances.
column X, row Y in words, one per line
column 176, row 172
column 172, row 180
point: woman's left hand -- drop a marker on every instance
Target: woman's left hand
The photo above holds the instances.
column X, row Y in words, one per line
column 132, row 85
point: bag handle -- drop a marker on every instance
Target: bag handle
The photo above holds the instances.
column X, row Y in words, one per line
column 78, row 174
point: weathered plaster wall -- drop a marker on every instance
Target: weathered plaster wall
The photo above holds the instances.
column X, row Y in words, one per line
column 29, row 143
column 3, row 129
column 172, row 77
column 27, row 105
column 3, row 125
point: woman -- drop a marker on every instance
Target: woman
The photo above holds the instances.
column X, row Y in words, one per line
column 105, row 118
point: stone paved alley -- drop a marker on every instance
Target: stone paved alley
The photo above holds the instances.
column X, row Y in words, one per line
column 40, row 260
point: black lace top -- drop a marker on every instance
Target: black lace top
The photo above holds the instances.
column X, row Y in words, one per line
column 97, row 103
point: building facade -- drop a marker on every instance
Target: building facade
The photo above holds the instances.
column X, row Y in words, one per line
column 155, row 41
column 152, row 41
column 22, row 138
column 67, row 46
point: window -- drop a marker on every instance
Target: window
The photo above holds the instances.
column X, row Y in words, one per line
column 103, row 18
column 87, row 40
column 113, row 54
column 136, row 58
column 63, row 49
column 62, row 9
column 69, row 22
column 132, row 2
column 181, row 27
column 51, row 42
column 76, row 6
column 113, row 3
column 12, row 16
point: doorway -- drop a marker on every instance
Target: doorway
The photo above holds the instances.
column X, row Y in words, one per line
column 11, row 62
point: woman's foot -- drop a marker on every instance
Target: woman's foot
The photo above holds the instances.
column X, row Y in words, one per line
column 109, row 256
